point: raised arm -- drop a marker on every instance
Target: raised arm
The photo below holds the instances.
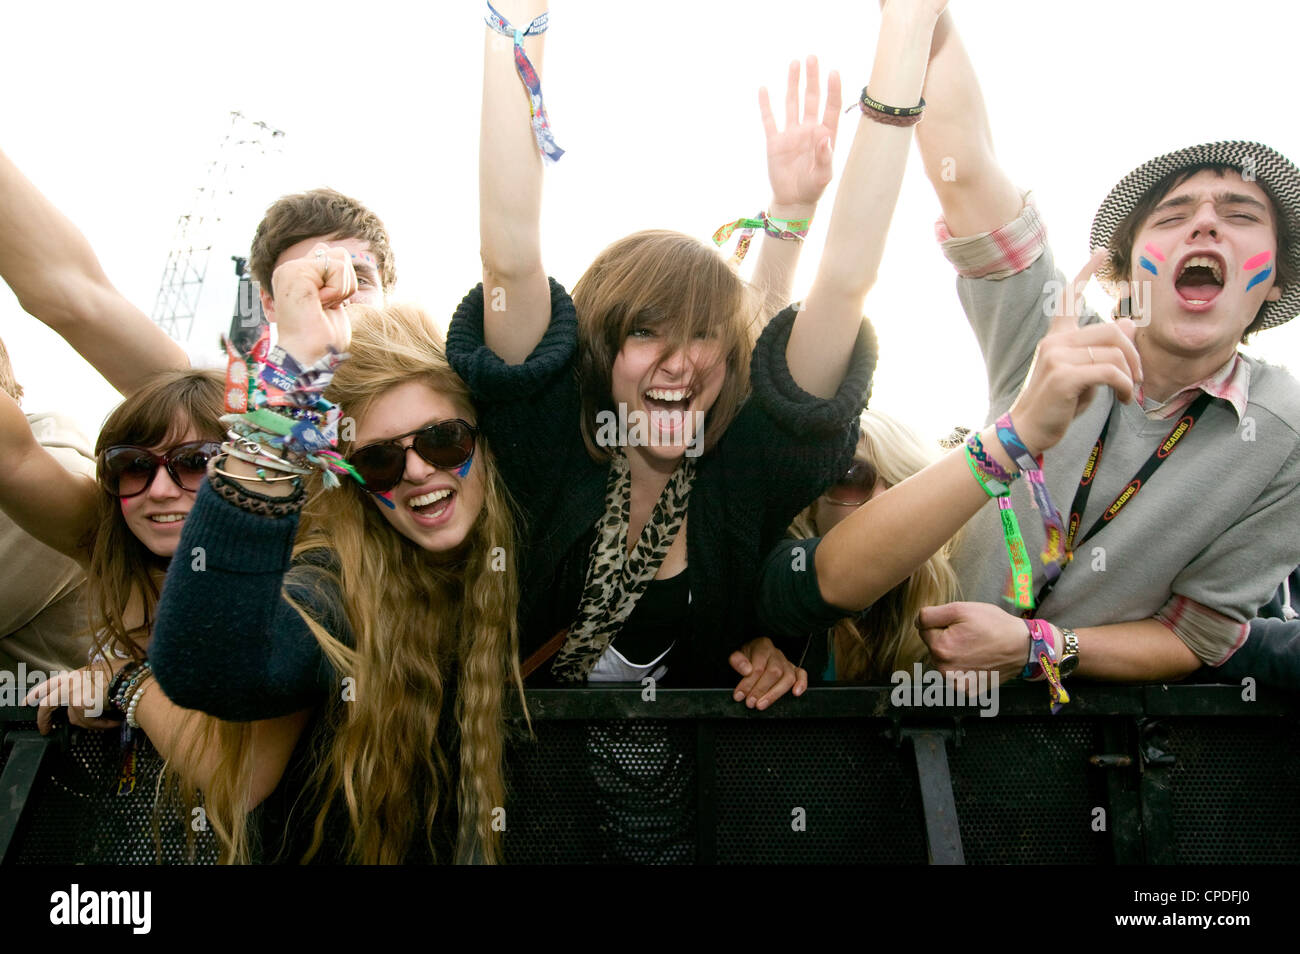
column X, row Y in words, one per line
column 799, row 169
column 821, row 341
column 44, row 498
column 956, row 143
column 57, row 278
column 886, row 539
column 510, row 194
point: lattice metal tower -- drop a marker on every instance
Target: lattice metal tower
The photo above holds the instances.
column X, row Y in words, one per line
column 187, row 263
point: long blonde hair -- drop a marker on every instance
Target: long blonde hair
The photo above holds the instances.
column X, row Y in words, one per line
column 884, row 639
column 411, row 614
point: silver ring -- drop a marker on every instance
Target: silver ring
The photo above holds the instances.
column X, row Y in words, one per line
column 320, row 254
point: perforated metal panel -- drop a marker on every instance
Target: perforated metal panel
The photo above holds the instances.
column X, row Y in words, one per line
column 603, row 793
column 1235, row 787
column 1010, row 776
column 857, row 789
column 77, row 817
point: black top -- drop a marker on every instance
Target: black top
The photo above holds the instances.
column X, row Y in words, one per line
column 783, row 448
column 228, row 644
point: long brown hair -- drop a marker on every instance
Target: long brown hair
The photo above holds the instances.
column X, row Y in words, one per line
column 123, row 572
column 682, row 288
column 411, row 614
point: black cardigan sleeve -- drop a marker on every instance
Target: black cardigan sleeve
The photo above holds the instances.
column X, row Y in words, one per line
column 528, row 412
column 225, row 641
column 801, row 442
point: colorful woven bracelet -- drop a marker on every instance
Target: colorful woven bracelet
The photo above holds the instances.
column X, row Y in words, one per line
column 1054, row 551
column 1042, row 662
column 528, row 76
column 787, row 229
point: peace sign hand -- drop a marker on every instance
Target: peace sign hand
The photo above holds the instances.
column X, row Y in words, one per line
column 311, row 294
column 799, row 156
column 1070, row 363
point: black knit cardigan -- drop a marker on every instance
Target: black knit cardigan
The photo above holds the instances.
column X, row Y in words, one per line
column 784, row 447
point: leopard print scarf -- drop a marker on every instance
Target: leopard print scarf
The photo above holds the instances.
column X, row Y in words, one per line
column 615, row 578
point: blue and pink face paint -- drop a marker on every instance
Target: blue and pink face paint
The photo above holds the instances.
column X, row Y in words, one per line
column 386, row 497
column 1258, row 261
column 1146, row 262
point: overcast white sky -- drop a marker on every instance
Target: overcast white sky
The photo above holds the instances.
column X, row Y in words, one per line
column 114, row 110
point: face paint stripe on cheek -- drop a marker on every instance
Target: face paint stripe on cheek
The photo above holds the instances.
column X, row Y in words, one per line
column 1255, row 261
column 1146, row 263
column 386, row 498
column 1154, row 252
column 1261, row 276
column 463, row 470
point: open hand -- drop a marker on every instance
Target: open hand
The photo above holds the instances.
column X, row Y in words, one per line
column 768, row 674
column 799, row 156
column 1070, row 363
column 310, row 297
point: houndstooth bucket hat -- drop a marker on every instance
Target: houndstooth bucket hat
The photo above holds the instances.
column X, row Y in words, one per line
column 1275, row 174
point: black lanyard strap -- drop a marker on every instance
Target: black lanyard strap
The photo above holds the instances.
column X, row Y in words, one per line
column 1162, row 453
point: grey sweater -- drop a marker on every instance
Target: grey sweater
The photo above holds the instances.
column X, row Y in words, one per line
column 1215, row 524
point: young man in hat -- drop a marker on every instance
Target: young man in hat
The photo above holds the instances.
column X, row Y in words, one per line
column 57, row 278
column 1180, row 507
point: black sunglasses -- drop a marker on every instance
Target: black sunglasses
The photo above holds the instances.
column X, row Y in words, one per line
column 446, row 445
column 855, row 487
column 127, row 471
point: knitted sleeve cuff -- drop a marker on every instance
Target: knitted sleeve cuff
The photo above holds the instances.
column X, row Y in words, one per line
column 793, row 407
column 491, row 379
column 234, row 540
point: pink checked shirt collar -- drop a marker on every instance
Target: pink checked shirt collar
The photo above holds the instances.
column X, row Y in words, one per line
column 1230, row 383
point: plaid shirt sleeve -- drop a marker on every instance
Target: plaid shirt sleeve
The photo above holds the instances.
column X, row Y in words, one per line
column 1212, row 636
column 1000, row 253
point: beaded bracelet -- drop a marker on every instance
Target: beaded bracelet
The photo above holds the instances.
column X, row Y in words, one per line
column 141, row 672
column 795, row 230
column 118, row 681
column 133, row 701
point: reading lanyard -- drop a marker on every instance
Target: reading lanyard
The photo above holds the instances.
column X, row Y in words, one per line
column 1166, row 447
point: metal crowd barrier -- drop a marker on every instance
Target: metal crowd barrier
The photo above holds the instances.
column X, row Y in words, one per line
column 1179, row 774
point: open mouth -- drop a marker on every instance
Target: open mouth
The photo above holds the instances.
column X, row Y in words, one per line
column 1199, row 279
column 433, row 504
column 668, row 399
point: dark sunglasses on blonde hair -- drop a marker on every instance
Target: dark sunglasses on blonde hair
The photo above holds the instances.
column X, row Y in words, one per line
column 855, row 487
column 128, row 471
column 446, row 445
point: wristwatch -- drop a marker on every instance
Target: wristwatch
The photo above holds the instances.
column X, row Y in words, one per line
column 1069, row 651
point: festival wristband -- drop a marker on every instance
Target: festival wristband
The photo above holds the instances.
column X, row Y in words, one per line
column 528, row 76
column 991, row 484
column 1054, row 550
column 1042, row 661
column 787, row 229
column 1022, row 572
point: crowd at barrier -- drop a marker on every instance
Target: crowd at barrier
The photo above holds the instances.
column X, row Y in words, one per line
column 307, row 590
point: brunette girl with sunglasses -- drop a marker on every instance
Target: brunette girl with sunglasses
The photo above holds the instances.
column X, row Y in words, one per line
column 385, row 610
column 152, row 454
